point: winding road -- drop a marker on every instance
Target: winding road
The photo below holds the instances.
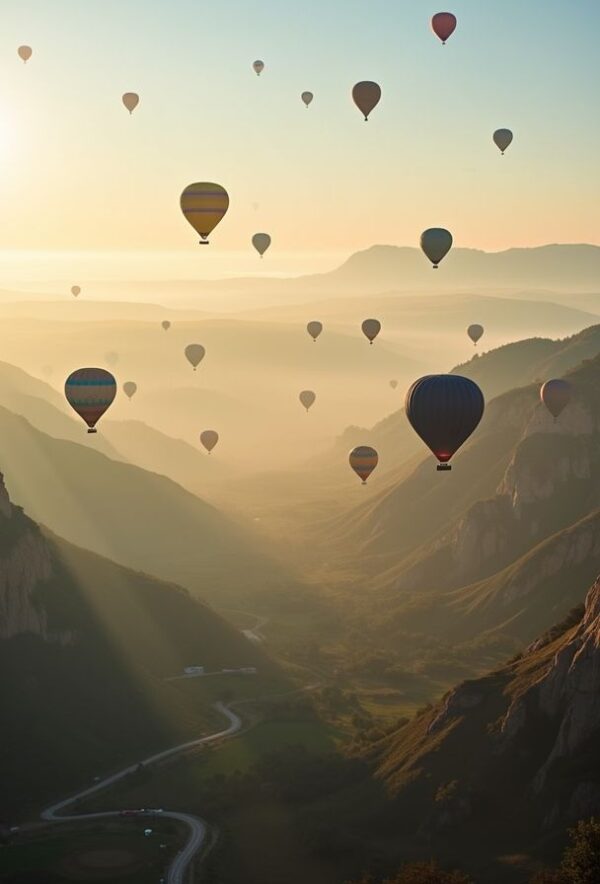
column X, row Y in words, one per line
column 198, row 827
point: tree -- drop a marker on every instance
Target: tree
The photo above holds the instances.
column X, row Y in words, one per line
column 581, row 859
column 421, row 873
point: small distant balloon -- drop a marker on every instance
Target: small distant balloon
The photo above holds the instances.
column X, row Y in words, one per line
column 444, row 409
column 443, row 25
column 25, row 53
column 258, row 67
column 166, row 324
column 366, row 95
column 502, row 139
column 261, row 242
column 436, row 243
column 393, row 384
column 209, row 439
column 90, row 392
column 363, row 460
column 370, row 329
column 307, row 97
column 129, row 388
column 203, row 205
column 75, row 290
column 307, row 398
column 131, row 101
column 194, row 353
column 556, row 395
column 475, row 332
column 314, row 328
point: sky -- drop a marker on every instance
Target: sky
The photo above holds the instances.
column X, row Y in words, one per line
column 78, row 174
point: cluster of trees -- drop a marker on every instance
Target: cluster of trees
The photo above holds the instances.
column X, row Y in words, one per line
column 580, row 864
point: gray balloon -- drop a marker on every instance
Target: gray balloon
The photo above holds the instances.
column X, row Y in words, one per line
column 502, row 139
column 307, row 398
column 261, row 242
column 366, row 95
column 371, row 328
column 314, row 328
column 129, row 388
column 307, row 97
column 436, row 243
column 194, row 353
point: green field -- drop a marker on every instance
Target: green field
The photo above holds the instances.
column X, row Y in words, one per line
column 115, row 851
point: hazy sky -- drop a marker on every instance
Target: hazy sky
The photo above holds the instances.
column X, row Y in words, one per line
column 77, row 172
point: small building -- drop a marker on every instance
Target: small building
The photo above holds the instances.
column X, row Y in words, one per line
column 194, row 670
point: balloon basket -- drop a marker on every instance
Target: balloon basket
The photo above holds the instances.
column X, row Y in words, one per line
column 92, row 430
column 443, row 467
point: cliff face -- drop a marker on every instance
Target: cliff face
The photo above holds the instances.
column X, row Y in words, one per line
column 25, row 563
column 524, row 740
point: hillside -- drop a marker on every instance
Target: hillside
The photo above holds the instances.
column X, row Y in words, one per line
column 84, row 647
column 504, row 761
column 132, row 516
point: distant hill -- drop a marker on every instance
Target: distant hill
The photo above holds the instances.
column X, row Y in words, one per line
column 504, row 762
column 130, row 515
column 84, row 648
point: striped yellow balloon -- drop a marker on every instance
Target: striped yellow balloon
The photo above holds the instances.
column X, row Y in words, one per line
column 363, row 460
column 203, row 205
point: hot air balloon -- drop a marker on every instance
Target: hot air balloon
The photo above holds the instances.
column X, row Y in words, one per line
column 502, row 139
column 258, row 67
column 194, row 353
column 129, row 388
column 366, row 96
column 371, row 328
column 443, row 25
column 131, row 101
column 363, row 460
column 436, row 243
column 556, row 395
column 166, row 324
column 90, row 392
column 75, row 290
column 475, row 332
column 209, row 439
column 112, row 358
column 307, row 398
column 443, row 410
column 314, row 328
column 307, row 97
column 393, row 384
column 203, row 205
column 25, row 53
column 261, row 242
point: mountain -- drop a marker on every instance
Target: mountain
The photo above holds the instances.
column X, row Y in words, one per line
column 85, row 646
column 503, row 762
column 132, row 516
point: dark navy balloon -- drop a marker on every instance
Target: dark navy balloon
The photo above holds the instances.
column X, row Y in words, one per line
column 443, row 410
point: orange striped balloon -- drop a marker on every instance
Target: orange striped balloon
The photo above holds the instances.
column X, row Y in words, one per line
column 203, row 205
column 363, row 460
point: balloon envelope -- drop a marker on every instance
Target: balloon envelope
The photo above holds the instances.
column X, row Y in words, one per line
column 90, row 392
column 129, row 388
column 314, row 328
column 363, row 460
column 371, row 328
column 204, row 204
column 444, row 409
column 366, row 95
column 475, row 332
column 307, row 97
column 261, row 242
column 258, row 66
column 393, row 384
column 166, row 324
column 556, row 395
column 131, row 101
column 194, row 353
column 436, row 242
column 75, row 290
column 307, row 397
column 209, row 439
column 443, row 25
column 25, row 53
column 502, row 138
